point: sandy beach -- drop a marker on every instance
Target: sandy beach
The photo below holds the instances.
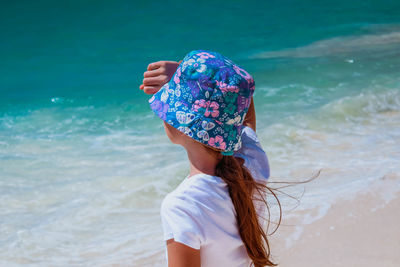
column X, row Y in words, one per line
column 360, row 230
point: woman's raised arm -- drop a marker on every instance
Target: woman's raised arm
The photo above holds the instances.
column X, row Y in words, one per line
column 250, row 119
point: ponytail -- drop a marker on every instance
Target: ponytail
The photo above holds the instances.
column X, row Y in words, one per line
column 242, row 187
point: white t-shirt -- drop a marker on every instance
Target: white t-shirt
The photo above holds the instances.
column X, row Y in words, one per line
column 199, row 212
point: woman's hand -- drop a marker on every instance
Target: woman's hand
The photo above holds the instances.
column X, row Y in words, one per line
column 157, row 74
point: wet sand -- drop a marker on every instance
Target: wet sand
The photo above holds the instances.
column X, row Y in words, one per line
column 362, row 230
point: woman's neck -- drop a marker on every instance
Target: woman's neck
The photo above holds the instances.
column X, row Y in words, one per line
column 200, row 159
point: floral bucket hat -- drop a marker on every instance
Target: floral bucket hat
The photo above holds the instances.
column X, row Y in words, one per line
column 207, row 99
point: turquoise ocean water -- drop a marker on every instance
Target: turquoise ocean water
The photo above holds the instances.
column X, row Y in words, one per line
column 84, row 164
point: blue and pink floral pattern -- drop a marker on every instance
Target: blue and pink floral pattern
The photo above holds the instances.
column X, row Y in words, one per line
column 207, row 99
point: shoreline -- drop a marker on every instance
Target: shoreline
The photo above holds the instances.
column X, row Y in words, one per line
column 358, row 230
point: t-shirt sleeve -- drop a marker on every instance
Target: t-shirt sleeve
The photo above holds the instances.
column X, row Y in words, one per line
column 251, row 151
column 180, row 221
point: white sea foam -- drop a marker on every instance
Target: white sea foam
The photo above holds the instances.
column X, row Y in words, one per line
column 96, row 198
column 340, row 45
column 82, row 185
column 354, row 140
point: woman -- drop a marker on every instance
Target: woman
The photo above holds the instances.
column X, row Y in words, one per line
column 214, row 217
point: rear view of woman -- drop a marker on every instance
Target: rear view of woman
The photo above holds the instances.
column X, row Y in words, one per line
column 215, row 216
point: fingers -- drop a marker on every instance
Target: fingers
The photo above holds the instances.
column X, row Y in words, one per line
column 151, row 89
column 156, row 76
column 158, row 80
column 153, row 73
column 154, row 65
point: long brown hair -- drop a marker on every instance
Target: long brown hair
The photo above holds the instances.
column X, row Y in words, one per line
column 242, row 190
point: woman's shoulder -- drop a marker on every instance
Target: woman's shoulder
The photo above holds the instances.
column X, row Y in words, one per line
column 197, row 187
column 195, row 209
column 199, row 192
